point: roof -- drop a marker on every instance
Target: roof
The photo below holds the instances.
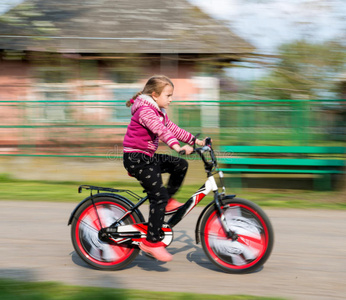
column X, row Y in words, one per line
column 116, row 26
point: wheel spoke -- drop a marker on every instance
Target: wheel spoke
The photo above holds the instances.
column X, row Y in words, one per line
column 94, row 218
column 86, row 222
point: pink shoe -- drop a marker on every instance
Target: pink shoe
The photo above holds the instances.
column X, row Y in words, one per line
column 157, row 250
column 172, row 205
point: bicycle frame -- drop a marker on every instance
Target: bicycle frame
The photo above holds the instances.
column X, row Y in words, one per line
column 210, row 185
column 135, row 232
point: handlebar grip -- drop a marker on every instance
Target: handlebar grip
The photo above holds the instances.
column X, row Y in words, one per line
column 182, row 152
column 208, row 141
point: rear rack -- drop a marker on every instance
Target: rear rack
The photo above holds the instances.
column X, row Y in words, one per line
column 107, row 189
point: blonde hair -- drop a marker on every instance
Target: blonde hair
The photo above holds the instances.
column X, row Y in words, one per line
column 155, row 84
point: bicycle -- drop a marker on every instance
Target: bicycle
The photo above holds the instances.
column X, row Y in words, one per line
column 236, row 235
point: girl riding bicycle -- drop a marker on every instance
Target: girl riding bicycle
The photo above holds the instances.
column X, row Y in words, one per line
column 149, row 124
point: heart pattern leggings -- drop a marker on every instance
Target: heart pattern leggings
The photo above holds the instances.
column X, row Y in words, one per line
column 147, row 170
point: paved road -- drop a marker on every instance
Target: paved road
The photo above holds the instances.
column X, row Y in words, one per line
column 308, row 260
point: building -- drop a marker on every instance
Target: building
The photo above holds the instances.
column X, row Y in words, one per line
column 102, row 50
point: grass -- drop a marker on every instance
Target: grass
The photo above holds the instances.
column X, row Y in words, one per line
column 13, row 189
column 17, row 290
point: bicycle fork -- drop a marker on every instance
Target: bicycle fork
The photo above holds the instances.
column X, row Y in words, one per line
column 229, row 233
column 217, row 196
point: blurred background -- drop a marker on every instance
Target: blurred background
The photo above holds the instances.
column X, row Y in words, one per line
column 247, row 73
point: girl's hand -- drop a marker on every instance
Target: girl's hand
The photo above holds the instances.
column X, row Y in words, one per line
column 188, row 149
column 200, row 142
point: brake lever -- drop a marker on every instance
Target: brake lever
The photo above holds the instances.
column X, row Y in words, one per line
column 194, row 141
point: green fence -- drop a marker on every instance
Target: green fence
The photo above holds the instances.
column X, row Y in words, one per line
column 271, row 122
column 96, row 128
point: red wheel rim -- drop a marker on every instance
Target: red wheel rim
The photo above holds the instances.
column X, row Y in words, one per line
column 214, row 228
column 119, row 253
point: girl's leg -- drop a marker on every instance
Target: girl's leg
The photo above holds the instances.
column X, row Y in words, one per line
column 177, row 168
column 148, row 172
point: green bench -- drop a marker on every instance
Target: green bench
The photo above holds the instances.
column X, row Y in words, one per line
column 322, row 161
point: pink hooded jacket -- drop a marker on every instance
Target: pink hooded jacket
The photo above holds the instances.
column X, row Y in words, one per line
column 148, row 125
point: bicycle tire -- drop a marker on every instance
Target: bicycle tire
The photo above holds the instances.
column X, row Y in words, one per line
column 88, row 220
column 255, row 236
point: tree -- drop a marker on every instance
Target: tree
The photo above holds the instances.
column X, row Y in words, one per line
column 304, row 70
column 26, row 18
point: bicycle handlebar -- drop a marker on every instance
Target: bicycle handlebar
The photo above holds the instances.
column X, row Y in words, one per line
column 209, row 164
column 207, row 147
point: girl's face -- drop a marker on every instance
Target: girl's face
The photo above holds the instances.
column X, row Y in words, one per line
column 165, row 98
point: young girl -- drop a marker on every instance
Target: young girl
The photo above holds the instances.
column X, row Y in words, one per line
column 149, row 124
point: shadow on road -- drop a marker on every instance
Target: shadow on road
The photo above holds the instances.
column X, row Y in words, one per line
column 185, row 243
column 142, row 261
column 78, row 261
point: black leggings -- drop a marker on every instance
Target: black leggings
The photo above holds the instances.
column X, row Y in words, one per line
column 147, row 170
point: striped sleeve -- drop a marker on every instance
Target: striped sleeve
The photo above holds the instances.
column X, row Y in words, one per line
column 149, row 119
column 181, row 134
